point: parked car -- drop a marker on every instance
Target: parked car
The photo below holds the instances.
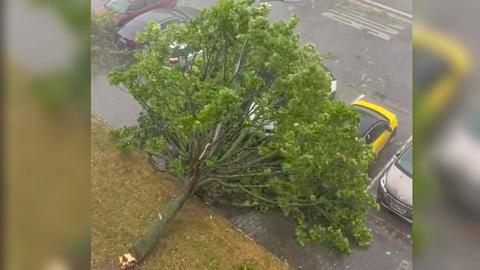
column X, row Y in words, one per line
column 377, row 124
column 456, row 161
column 440, row 65
column 395, row 189
column 129, row 9
column 127, row 34
column 333, row 83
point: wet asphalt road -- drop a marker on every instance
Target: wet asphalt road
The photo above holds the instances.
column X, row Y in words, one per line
column 368, row 48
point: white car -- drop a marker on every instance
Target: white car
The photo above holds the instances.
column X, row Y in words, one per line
column 456, row 158
column 395, row 191
column 333, row 83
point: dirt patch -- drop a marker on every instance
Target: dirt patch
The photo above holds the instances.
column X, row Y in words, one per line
column 127, row 193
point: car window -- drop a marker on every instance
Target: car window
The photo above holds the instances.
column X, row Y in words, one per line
column 137, row 5
column 404, row 163
column 368, row 138
column 375, row 132
column 368, row 118
column 119, row 6
column 428, row 68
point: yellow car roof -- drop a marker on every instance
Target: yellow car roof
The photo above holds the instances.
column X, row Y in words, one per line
column 392, row 118
column 441, row 44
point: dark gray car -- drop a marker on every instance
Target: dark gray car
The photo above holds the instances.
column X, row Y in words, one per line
column 164, row 17
column 395, row 189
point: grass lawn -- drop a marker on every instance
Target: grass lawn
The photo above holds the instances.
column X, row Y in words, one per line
column 126, row 196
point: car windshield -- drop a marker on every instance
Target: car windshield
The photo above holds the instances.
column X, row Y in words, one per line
column 404, row 163
column 120, row 6
column 368, row 118
column 428, row 68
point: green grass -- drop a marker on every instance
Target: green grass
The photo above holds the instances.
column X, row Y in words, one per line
column 126, row 195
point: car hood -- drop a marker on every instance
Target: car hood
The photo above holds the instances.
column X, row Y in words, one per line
column 399, row 185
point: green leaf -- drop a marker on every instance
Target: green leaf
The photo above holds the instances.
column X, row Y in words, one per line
column 252, row 110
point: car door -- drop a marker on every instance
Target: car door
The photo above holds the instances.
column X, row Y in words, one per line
column 136, row 5
column 378, row 136
column 134, row 9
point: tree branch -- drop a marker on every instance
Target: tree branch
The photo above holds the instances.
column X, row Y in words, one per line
column 239, row 63
column 234, row 145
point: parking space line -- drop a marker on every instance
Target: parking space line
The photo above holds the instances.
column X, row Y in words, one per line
column 389, row 163
column 382, row 171
column 358, row 98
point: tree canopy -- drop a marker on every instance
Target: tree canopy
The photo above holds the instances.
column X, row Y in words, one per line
column 247, row 117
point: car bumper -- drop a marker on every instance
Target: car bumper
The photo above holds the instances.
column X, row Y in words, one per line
column 388, row 201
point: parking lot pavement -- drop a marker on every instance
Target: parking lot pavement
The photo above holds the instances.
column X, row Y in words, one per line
column 390, row 248
column 367, row 45
column 368, row 48
column 115, row 106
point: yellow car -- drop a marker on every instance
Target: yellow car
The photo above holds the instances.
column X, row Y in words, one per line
column 440, row 64
column 377, row 124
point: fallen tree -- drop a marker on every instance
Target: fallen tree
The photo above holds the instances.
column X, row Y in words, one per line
column 248, row 118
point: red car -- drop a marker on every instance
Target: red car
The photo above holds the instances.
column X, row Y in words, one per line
column 129, row 9
column 163, row 16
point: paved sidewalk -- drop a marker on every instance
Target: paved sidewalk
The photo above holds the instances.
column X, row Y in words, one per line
column 390, row 248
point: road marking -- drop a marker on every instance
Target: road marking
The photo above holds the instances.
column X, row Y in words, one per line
column 358, row 14
column 393, row 25
column 359, row 97
column 368, row 22
column 396, row 26
column 389, row 163
column 356, row 25
column 389, row 8
column 393, row 15
column 380, row 174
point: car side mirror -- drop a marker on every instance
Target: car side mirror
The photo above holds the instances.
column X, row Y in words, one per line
column 389, row 129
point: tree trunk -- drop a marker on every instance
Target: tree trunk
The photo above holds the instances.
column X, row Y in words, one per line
column 140, row 249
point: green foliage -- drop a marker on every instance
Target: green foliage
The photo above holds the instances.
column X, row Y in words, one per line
column 74, row 13
column 155, row 146
column 105, row 51
column 242, row 74
column 67, row 88
column 177, row 167
column 125, row 137
column 248, row 265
